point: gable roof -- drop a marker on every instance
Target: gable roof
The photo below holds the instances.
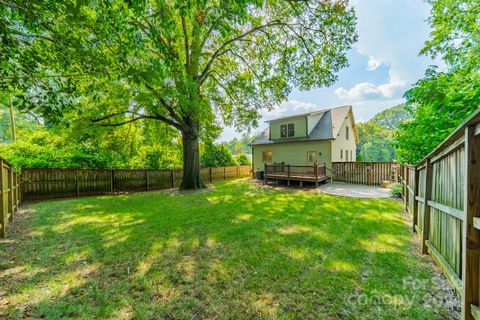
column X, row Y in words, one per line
column 327, row 127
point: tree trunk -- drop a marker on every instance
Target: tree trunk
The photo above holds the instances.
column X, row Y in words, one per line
column 191, row 162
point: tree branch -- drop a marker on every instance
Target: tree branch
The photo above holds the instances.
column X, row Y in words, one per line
column 185, row 37
column 167, row 106
column 220, row 50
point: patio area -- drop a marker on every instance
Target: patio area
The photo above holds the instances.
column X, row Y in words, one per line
column 355, row 190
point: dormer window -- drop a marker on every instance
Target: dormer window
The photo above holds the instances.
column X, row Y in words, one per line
column 287, row 130
column 346, row 132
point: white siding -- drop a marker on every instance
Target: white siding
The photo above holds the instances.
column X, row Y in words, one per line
column 342, row 143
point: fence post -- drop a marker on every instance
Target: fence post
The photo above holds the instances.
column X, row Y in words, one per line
column 18, row 190
column 238, row 172
column 407, row 192
column 471, row 235
column 2, row 202
column 10, row 194
column 112, row 182
column 147, row 181
column 224, row 173
column 173, row 178
column 77, row 186
column 210, row 174
column 415, row 201
column 426, row 210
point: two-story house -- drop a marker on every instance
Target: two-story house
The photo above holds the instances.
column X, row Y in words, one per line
column 321, row 137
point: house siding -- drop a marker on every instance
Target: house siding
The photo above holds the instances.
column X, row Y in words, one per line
column 300, row 127
column 294, row 153
column 341, row 142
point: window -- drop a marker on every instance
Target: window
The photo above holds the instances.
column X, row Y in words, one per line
column 351, row 156
column 287, row 130
column 267, row 156
column 346, row 132
column 346, row 154
column 291, row 130
column 341, row 154
column 311, row 157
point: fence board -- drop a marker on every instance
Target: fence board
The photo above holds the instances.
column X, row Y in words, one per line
column 369, row 173
column 41, row 184
column 449, row 209
column 9, row 195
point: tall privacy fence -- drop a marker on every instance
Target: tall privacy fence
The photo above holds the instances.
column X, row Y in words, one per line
column 442, row 193
column 41, row 184
column 9, row 195
column 369, row 173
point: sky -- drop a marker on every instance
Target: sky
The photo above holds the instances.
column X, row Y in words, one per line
column 384, row 63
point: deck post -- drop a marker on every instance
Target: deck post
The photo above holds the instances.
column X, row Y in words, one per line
column 471, row 235
column 264, row 173
column 288, row 174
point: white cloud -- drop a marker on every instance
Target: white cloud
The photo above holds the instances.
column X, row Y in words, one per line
column 392, row 32
column 288, row 108
column 373, row 64
column 368, row 91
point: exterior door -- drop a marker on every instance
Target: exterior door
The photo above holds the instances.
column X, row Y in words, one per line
column 311, row 157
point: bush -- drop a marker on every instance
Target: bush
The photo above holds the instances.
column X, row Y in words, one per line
column 396, row 190
column 216, row 156
column 243, row 160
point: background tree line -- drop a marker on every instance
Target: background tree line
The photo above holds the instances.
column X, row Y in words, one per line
column 82, row 144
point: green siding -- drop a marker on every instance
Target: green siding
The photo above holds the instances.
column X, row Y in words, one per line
column 293, row 153
column 300, row 127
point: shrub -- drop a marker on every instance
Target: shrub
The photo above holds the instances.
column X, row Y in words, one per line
column 216, row 156
column 396, row 190
column 243, row 160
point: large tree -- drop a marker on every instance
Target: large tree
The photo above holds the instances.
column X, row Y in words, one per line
column 191, row 64
column 444, row 98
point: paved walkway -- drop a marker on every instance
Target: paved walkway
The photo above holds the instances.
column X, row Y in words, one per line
column 354, row 190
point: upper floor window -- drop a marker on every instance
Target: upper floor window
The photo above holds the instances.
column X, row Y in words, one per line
column 341, row 154
column 346, row 132
column 287, row 130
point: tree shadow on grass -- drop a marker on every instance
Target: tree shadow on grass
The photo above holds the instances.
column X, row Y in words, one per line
column 239, row 251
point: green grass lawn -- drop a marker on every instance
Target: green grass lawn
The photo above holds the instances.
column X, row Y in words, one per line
column 240, row 251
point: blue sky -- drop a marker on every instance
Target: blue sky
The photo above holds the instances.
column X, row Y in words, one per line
column 384, row 63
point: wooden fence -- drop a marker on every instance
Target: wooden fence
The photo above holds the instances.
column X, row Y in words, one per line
column 369, row 173
column 41, row 184
column 442, row 193
column 9, row 195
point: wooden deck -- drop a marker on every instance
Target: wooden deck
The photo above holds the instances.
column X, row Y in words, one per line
column 284, row 172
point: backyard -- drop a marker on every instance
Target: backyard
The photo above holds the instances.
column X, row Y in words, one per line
column 239, row 250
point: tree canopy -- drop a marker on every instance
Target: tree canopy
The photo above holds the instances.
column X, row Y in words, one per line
column 376, row 141
column 193, row 65
column 441, row 100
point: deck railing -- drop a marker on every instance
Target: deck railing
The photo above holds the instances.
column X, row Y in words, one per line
column 280, row 171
